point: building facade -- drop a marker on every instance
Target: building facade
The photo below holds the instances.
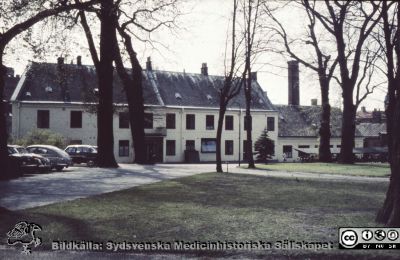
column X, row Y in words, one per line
column 181, row 112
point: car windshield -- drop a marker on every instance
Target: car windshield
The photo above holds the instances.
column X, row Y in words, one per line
column 22, row 150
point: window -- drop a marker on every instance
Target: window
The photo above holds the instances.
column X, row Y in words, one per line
column 123, row 148
column 148, row 120
column 209, row 122
column 316, row 146
column 43, row 118
column 208, row 145
column 271, row 123
column 304, row 146
column 76, row 119
column 190, row 145
column 247, row 121
column 338, row 146
column 170, row 121
column 287, row 151
column 190, row 122
column 331, row 146
column 228, row 147
column 123, row 120
column 228, row 122
column 170, row 147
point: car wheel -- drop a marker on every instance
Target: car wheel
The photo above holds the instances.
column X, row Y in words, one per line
column 59, row 168
column 90, row 163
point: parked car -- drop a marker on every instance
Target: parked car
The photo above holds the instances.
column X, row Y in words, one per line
column 25, row 161
column 82, row 154
column 58, row 158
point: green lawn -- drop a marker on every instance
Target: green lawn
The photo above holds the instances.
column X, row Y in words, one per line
column 213, row 207
column 358, row 169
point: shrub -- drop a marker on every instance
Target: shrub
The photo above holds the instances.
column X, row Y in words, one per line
column 42, row 137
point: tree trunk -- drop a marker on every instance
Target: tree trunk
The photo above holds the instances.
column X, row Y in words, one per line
column 325, row 130
column 221, row 115
column 384, row 213
column 249, row 144
column 4, row 162
column 394, row 219
column 105, row 136
column 136, row 112
column 348, row 127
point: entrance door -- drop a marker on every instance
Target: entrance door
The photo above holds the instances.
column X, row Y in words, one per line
column 154, row 149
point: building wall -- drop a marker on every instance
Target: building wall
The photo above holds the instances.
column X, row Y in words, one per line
column 312, row 142
column 25, row 120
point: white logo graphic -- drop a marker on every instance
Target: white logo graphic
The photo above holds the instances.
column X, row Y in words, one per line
column 24, row 233
column 392, row 235
column 367, row 235
column 348, row 238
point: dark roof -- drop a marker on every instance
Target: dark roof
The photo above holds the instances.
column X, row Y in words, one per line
column 304, row 121
column 10, row 84
column 371, row 129
column 76, row 83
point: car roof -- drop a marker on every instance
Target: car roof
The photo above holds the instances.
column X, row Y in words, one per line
column 80, row 145
column 15, row 146
column 44, row 146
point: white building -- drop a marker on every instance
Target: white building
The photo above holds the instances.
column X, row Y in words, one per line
column 181, row 111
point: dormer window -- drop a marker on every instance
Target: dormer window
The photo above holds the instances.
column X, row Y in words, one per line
column 96, row 91
column 178, row 96
column 209, row 97
column 49, row 89
column 28, row 94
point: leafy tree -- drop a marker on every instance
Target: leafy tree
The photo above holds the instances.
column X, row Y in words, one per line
column 265, row 147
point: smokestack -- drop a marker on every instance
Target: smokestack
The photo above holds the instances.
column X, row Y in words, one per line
column 148, row 64
column 363, row 109
column 79, row 60
column 314, row 102
column 293, row 83
column 204, row 69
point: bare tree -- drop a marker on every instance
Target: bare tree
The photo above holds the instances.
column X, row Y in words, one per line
column 323, row 64
column 232, row 83
column 145, row 19
column 351, row 23
column 389, row 38
column 251, row 16
column 16, row 17
column 136, row 20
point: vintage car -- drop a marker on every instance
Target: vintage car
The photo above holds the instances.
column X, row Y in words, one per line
column 82, row 154
column 58, row 158
column 27, row 162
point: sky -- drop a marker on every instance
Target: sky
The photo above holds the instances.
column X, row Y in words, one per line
column 201, row 37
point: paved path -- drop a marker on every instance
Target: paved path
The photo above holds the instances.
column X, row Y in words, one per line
column 80, row 182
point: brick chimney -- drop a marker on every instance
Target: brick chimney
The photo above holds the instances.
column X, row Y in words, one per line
column 204, row 69
column 254, row 75
column 363, row 110
column 79, row 60
column 314, row 102
column 148, row 64
column 293, row 83
column 60, row 61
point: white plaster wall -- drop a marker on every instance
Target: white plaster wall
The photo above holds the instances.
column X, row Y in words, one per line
column 25, row 120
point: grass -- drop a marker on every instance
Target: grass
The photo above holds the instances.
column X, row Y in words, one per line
column 358, row 169
column 213, row 207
